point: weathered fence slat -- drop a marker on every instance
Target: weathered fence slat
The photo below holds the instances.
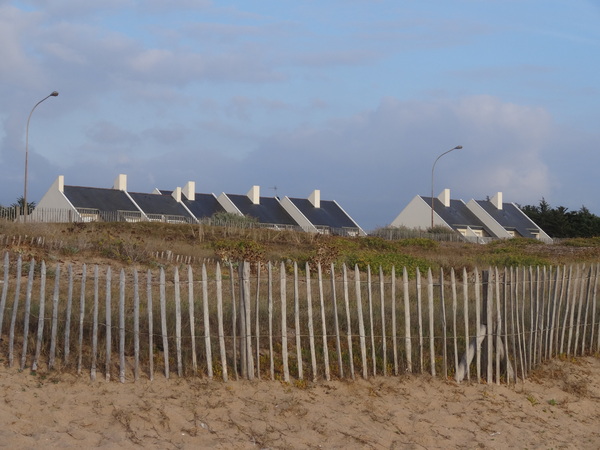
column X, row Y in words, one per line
column 95, row 314
column 382, row 304
column 257, row 319
column 192, row 318
column 324, row 325
column 270, row 313
column 361, row 323
column 234, row 321
column 4, row 289
column 444, row 327
column 311, row 331
column 420, row 320
column 431, row 322
column 81, row 317
column 297, row 323
column 466, row 317
column 207, row 343
column 338, row 345
column 67, row 347
column 371, row 326
column 41, row 317
column 178, row 335
column 150, row 324
column 136, row 326
column 163, row 320
column 108, row 323
column 28, row 295
column 122, row 326
column 15, row 308
column 407, row 335
column 54, row 327
column 479, row 328
column 284, row 337
column 454, row 308
column 394, row 325
column 219, row 282
column 348, row 319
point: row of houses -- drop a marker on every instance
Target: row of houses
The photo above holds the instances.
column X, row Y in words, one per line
column 66, row 203
column 476, row 220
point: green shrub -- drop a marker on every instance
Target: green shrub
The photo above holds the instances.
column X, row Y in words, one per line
column 386, row 260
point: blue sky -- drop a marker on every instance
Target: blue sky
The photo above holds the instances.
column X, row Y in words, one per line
column 356, row 98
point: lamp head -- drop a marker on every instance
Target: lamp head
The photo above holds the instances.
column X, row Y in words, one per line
column 54, row 94
column 458, row 147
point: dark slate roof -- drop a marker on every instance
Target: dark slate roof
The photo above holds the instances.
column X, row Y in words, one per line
column 457, row 214
column 329, row 214
column 99, row 198
column 269, row 210
column 158, row 204
column 510, row 217
column 205, row 205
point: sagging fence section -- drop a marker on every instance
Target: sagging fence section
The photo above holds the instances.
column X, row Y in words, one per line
column 289, row 323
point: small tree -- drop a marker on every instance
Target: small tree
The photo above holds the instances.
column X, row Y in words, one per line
column 19, row 206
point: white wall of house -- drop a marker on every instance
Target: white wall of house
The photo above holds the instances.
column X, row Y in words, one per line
column 53, row 200
column 417, row 214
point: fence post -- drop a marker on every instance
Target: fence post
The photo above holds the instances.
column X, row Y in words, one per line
column 324, row 324
column 407, row 336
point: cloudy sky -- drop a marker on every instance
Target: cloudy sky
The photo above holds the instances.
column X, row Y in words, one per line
column 356, row 98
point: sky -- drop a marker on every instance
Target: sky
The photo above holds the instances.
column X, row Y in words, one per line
column 356, row 98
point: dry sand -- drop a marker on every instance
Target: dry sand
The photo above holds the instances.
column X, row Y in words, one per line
column 558, row 407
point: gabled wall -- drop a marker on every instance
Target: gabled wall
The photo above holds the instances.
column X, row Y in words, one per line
column 417, row 214
column 53, row 199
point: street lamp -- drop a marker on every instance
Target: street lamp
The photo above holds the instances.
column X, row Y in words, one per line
column 458, row 147
column 25, row 206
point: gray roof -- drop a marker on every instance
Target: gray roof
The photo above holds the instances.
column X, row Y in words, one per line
column 205, row 205
column 159, row 204
column 98, row 198
column 329, row 214
column 510, row 217
column 457, row 215
column 268, row 211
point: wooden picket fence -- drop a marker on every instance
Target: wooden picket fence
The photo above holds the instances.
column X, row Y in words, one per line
column 281, row 321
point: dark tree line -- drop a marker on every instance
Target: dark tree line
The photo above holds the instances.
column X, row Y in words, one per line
column 559, row 222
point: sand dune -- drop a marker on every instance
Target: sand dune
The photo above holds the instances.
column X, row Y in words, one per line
column 558, row 407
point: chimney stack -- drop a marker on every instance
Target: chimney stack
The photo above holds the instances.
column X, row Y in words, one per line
column 444, row 197
column 315, row 198
column 189, row 190
column 254, row 195
column 497, row 200
column 120, row 182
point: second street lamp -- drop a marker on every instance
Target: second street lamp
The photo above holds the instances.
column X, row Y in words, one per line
column 25, row 206
column 458, row 147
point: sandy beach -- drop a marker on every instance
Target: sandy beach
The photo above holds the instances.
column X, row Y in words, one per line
column 557, row 407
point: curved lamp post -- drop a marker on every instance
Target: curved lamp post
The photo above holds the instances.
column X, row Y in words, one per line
column 458, row 147
column 25, row 205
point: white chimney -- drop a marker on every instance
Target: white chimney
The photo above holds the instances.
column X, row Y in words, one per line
column 177, row 194
column 60, row 183
column 120, row 182
column 189, row 190
column 444, row 197
column 315, row 198
column 254, row 195
column 497, row 200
